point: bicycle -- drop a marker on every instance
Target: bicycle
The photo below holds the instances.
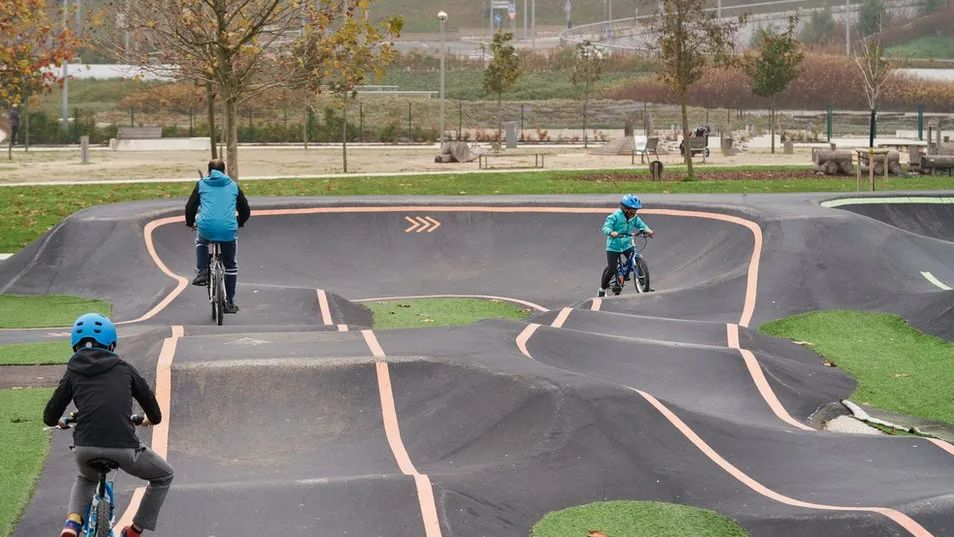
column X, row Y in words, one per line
column 100, row 517
column 216, row 282
column 635, row 265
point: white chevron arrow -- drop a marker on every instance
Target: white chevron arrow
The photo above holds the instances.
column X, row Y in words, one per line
column 419, row 224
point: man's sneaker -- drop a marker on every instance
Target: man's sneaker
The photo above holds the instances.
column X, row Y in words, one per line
column 201, row 279
column 601, row 293
column 129, row 531
column 230, row 307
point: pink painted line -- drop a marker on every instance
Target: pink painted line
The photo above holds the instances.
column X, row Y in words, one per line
column 946, row 446
column 561, row 318
column 160, row 432
column 597, row 304
column 392, row 430
column 758, row 377
column 903, row 520
column 181, row 283
column 524, row 336
column 537, row 307
column 342, row 328
column 373, row 344
column 323, row 307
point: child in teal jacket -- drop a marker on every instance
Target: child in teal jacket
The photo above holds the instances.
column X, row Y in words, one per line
column 619, row 228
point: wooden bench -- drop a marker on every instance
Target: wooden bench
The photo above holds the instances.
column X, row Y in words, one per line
column 484, row 164
column 931, row 164
column 697, row 144
column 139, row 133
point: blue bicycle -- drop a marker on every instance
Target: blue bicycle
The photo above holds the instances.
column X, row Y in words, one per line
column 101, row 515
column 635, row 268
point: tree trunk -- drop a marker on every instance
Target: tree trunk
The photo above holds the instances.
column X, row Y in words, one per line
column 26, row 125
column 499, row 119
column 344, row 134
column 231, row 138
column 772, row 120
column 687, row 150
column 210, row 97
column 872, row 128
column 586, row 102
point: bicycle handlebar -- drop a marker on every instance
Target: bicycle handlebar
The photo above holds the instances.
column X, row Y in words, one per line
column 70, row 421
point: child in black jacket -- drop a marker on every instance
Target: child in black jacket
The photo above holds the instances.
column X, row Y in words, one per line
column 103, row 386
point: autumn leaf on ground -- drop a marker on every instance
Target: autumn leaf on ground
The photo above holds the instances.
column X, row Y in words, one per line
column 596, row 533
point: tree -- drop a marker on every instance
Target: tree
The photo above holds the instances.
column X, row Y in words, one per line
column 29, row 44
column 875, row 70
column 335, row 56
column 687, row 41
column 872, row 17
column 587, row 68
column 502, row 72
column 820, row 27
column 229, row 46
column 774, row 64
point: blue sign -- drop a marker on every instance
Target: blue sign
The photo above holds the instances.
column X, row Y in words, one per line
column 497, row 18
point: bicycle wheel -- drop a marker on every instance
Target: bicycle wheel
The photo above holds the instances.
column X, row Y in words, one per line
column 211, row 290
column 102, row 526
column 220, row 293
column 642, row 276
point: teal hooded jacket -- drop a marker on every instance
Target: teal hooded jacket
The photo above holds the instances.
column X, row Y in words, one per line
column 617, row 222
column 216, row 199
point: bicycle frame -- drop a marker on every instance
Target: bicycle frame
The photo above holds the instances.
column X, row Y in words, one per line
column 216, row 282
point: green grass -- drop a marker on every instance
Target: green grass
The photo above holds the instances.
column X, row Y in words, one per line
column 37, row 311
column 898, row 368
column 928, row 46
column 45, row 353
column 24, row 446
column 636, row 519
column 31, row 211
column 440, row 312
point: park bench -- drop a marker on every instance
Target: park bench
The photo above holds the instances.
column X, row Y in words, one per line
column 139, row 133
column 644, row 147
column 483, row 161
column 931, row 164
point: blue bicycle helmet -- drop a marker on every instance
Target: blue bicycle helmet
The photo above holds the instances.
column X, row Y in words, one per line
column 631, row 201
column 94, row 327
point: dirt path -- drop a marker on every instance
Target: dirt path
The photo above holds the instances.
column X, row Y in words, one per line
column 257, row 161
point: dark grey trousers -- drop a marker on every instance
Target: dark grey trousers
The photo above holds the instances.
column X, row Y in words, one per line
column 142, row 462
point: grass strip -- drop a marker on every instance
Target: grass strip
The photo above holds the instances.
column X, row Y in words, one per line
column 43, row 353
column 422, row 312
column 38, row 311
column 24, row 446
column 31, row 211
column 898, row 368
column 636, row 519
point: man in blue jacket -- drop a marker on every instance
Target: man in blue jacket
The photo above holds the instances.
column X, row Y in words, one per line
column 619, row 229
column 216, row 198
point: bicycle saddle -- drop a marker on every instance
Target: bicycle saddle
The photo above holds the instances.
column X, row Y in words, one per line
column 103, row 465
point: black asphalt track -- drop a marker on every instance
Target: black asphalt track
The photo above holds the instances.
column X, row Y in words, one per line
column 276, row 420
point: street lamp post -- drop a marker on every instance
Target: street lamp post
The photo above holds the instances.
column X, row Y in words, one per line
column 442, row 16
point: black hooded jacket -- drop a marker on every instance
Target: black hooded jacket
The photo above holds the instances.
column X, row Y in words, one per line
column 103, row 386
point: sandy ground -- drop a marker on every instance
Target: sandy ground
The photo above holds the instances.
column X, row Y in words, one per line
column 46, row 165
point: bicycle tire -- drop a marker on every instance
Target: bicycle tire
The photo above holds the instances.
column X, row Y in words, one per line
column 220, row 294
column 211, row 297
column 103, row 526
column 642, row 280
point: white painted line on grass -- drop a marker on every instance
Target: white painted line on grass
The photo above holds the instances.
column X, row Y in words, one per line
column 931, row 278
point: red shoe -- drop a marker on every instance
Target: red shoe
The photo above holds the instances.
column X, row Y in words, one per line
column 71, row 528
column 129, row 531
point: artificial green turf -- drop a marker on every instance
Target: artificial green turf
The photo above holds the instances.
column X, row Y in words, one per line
column 926, row 46
column 31, row 211
column 43, row 353
column 636, row 519
column 415, row 313
column 24, row 446
column 37, row 311
column 898, row 368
